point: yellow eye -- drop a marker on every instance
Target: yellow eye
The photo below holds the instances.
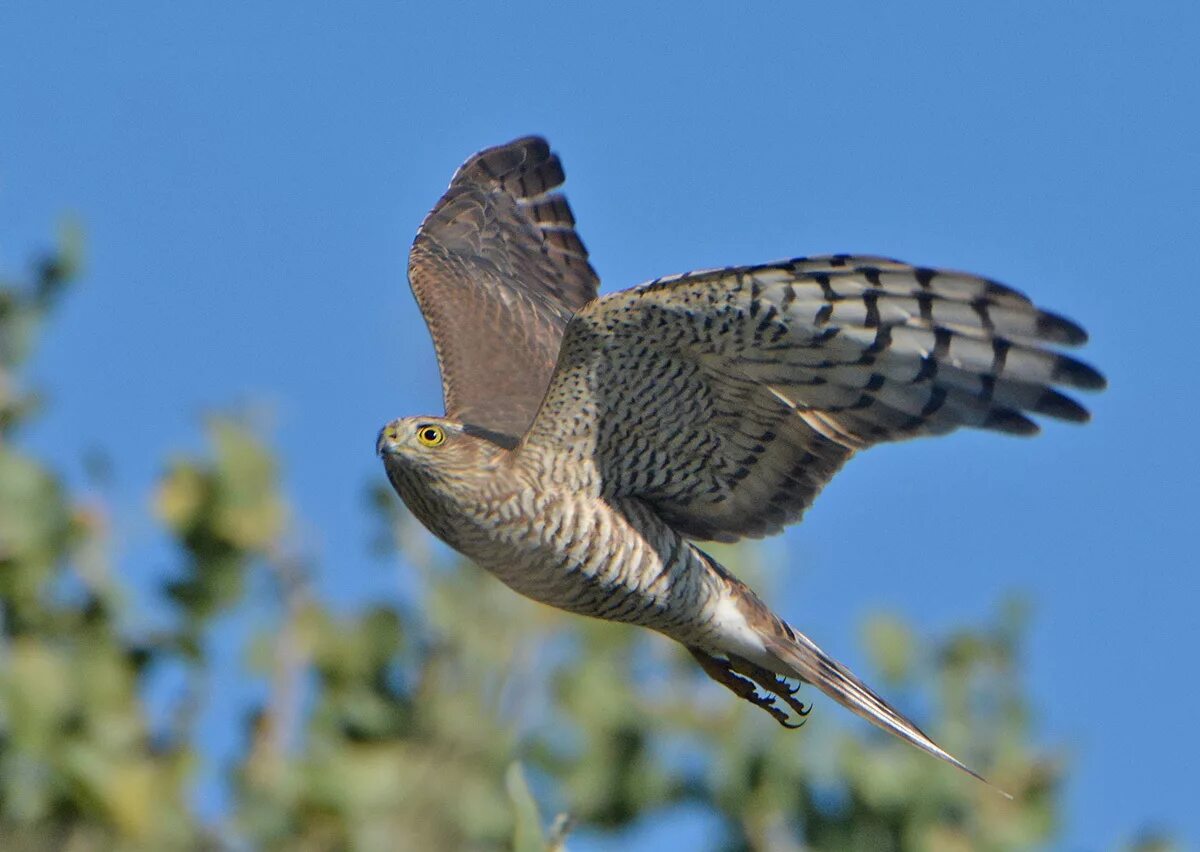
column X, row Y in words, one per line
column 430, row 435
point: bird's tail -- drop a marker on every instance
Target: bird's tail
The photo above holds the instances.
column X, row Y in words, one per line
column 799, row 657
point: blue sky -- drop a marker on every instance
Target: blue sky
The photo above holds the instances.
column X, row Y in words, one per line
column 250, row 180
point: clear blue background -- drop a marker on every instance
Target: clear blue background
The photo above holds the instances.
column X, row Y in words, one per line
column 250, row 180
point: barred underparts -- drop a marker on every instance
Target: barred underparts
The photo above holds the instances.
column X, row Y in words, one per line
column 589, row 441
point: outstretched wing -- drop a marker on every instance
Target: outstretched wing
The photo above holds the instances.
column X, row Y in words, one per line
column 498, row 270
column 728, row 398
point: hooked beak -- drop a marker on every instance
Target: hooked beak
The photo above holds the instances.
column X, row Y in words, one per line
column 385, row 444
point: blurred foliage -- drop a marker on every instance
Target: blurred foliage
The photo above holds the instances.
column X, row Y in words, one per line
column 463, row 719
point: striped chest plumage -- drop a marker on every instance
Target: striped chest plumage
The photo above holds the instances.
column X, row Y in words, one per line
column 571, row 549
column 587, row 439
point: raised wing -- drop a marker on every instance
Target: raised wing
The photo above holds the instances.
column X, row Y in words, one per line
column 728, row 398
column 498, row 271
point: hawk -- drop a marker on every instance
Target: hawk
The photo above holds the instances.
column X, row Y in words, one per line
column 589, row 442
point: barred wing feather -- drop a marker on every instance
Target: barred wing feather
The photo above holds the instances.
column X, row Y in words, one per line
column 728, row 398
column 498, row 270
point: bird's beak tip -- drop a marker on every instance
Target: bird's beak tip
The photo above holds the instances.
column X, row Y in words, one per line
column 383, row 444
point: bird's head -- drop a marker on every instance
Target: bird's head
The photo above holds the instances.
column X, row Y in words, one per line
column 438, row 466
column 436, row 448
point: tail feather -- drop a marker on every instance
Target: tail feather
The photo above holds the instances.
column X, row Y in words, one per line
column 803, row 659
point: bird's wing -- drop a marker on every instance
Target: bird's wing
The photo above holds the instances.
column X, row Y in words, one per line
column 728, row 398
column 498, row 271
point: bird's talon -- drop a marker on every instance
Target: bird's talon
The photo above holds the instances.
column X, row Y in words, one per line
column 740, row 677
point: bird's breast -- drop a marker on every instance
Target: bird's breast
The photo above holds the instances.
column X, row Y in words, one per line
column 611, row 559
column 618, row 561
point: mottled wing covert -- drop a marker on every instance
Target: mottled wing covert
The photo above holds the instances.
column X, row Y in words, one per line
column 728, row 398
column 498, row 270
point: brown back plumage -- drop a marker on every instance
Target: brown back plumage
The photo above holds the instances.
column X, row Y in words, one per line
column 498, row 271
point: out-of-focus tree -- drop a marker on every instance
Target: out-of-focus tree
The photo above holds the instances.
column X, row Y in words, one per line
column 79, row 768
column 465, row 720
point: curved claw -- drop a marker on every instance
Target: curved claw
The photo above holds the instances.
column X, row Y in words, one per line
column 741, row 677
column 790, row 725
column 785, row 688
column 798, row 707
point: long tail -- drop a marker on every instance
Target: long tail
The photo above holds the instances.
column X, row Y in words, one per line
column 788, row 652
column 804, row 660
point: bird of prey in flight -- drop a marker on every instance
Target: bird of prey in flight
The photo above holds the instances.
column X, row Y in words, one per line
column 589, row 441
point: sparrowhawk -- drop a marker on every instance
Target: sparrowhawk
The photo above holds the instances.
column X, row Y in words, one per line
column 589, row 441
